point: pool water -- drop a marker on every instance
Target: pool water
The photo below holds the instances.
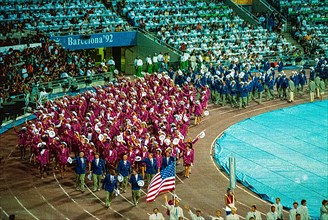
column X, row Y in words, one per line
column 283, row 153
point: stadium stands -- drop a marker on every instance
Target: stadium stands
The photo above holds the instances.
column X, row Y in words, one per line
column 309, row 23
column 34, row 68
column 208, row 28
column 209, row 32
column 21, row 20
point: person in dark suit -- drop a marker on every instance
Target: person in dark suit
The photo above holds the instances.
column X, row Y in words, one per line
column 167, row 159
column 109, row 185
column 124, row 169
column 134, row 178
column 80, row 169
column 98, row 169
column 151, row 167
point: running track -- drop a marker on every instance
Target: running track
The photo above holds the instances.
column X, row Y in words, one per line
column 24, row 194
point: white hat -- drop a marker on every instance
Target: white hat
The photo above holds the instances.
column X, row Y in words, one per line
column 175, row 141
column 138, row 158
column 141, row 183
column 120, row 178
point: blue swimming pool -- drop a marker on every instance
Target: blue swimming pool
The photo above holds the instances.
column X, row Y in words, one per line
column 283, row 153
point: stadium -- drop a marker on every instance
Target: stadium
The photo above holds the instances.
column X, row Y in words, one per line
column 164, row 109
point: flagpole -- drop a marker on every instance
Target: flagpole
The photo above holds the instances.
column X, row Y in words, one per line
column 175, row 173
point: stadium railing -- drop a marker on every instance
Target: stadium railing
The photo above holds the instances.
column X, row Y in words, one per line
column 156, row 39
column 20, row 104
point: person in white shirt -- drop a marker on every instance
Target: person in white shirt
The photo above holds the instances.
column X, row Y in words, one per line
column 111, row 64
column 217, row 216
column 272, row 215
column 155, row 63
column 233, row 215
column 324, row 210
column 293, row 211
column 156, row 215
column 193, row 216
column 160, row 59
column 175, row 211
column 253, row 213
column 303, row 211
column 149, row 63
column 279, row 209
column 187, row 56
column 139, row 67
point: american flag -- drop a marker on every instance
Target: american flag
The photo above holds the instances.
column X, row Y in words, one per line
column 162, row 182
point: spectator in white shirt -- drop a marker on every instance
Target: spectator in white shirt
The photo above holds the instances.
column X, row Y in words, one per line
column 293, row 211
column 279, row 209
column 303, row 211
column 233, row 215
column 175, row 210
column 272, row 215
column 193, row 216
column 156, row 215
column 217, row 216
column 253, row 213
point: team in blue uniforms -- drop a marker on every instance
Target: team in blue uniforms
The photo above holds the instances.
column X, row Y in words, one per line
column 280, row 66
column 270, row 93
column 233, row 93
column 303, row 80
column 230, row 81
column 243, row 92
column 260, row 89
column 295, row 78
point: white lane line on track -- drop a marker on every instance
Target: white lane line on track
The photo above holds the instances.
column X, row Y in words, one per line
column 73, row 200
column 143, row 191
column 105, row 203
column 26, row 209
column 215, row 108
column 15, row 196
column 232, row 110
column 179, row 178
column 126, row 199
column 4, row 212
column 264, row 107
column 257, row 109
column 44, row 199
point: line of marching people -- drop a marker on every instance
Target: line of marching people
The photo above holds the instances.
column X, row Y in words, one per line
column 134, row 122
column 276, row 211
column 237, row 85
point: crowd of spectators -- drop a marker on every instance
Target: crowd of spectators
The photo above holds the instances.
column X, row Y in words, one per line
column 29, row 18
column 211, row 28
column 309, row 23
column 22, row 70
column 271, row 21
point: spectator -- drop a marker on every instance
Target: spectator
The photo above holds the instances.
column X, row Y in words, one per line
column 303, row 211
column 253, row 213
column 175, row 210
column 272, row 215
column 156, row 215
